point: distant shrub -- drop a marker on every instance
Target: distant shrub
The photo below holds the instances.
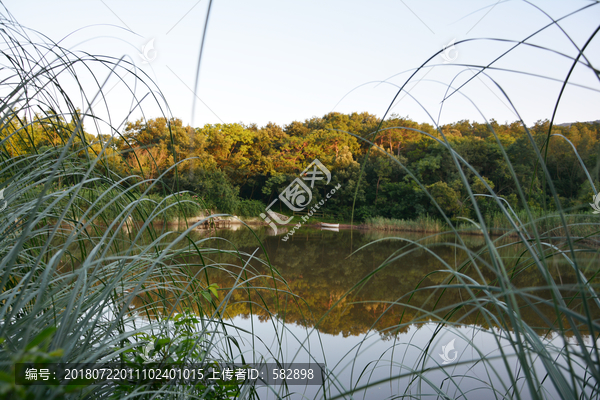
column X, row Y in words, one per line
column 250, row 208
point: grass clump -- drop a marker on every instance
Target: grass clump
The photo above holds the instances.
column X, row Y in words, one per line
column 500, row 356
column 79, row 285
column 421, row 224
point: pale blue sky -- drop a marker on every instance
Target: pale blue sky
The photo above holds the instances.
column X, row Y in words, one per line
column 281, row 61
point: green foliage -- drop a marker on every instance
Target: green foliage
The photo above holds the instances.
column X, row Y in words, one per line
column 421, row 224
column 445, row 197
column 234, row 163
column 35, row 352
column 250, row 208
column 214, row 188
column 179, row 343
column 90, row 272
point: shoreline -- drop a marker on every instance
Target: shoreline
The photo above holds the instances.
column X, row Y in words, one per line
column 256, row 221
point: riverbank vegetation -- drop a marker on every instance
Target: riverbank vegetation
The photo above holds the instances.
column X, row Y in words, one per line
column 548, row 223
column 239, row 169
column 72, row 263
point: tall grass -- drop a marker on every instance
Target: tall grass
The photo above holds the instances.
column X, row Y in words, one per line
column 79, row 286
column 503, row 357
column 581, row 226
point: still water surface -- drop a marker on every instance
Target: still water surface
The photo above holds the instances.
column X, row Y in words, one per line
column 343, row 299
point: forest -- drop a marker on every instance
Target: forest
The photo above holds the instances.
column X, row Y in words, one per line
column 239, row 169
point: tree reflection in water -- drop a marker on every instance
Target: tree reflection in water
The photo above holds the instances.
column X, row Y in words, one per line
column 405, row 284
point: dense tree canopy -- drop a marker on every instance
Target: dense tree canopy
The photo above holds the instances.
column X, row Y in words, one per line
column 234, row 167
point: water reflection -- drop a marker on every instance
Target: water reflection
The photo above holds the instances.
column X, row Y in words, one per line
column 349, row 283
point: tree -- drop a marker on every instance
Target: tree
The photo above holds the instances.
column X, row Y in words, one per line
column 445, row 197
column 150, row 147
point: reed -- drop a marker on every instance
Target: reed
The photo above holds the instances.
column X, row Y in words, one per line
column 423, row 224
column 502, row 356
column 89, row 272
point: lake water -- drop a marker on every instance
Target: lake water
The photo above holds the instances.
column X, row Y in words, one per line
column 362, row 303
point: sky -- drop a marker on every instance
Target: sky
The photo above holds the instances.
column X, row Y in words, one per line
column 281, row 61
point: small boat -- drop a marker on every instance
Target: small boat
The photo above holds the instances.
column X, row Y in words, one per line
column 330, row 227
